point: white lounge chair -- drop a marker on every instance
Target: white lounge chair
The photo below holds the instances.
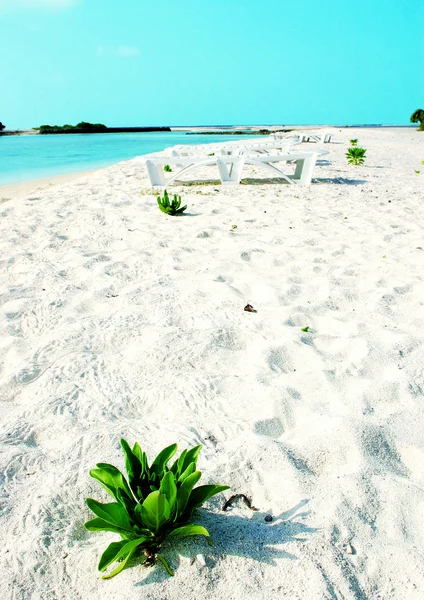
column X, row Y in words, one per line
column 319, row 137
column 230, row 166
column 268, row 147
column 323, row 138
column 294, row 137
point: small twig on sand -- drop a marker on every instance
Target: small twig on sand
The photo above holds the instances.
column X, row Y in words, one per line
column 237, row 497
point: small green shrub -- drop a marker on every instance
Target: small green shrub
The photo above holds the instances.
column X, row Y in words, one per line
column 356, row 156
column 174, row 207
column 167, row 168
column 354, row 142
column 155, row 503
column 417, row 172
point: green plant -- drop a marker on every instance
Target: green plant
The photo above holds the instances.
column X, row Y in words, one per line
column 356, row 156
column 173, row 207
column 155, row 503
column 167, row 168
column 417, row 172
column 305, row 329
column 354, row 142
column 418, row 117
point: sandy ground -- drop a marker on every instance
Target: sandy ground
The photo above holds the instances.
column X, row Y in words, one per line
column 28, row 188
column 117, row 320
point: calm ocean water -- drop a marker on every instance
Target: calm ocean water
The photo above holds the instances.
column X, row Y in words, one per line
column 23, row 158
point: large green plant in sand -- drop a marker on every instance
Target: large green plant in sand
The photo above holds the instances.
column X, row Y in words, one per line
column 155, row 503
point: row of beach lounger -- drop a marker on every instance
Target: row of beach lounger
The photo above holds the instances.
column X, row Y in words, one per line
column 230, row 158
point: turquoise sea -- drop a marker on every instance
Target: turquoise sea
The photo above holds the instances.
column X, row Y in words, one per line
column 27, row 157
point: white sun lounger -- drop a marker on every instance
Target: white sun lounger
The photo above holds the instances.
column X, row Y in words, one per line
column 230, row 166
column 268, row 147
column 322, row 137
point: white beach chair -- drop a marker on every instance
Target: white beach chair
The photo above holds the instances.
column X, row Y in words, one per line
column 293, row 137
column 323, row 138
column 234, row 149
column 318, row 137
column 231, row 166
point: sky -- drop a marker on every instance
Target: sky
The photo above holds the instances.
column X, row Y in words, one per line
column 216, row 62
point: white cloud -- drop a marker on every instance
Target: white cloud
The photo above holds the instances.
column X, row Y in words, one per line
column 37, row 3
column 127, row 51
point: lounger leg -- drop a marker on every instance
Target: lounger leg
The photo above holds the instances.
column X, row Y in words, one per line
column 156, row 174
column 304, row 169
column 230, row 172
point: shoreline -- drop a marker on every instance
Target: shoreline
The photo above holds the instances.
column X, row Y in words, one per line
column 215, row 128
column 10, row 191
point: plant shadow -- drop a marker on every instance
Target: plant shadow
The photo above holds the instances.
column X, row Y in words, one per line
column 248, row 536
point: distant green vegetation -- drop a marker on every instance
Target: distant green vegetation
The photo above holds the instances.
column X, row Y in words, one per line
column 354, row 142
column 82, row 127
column 2, row 126
column 418, row 117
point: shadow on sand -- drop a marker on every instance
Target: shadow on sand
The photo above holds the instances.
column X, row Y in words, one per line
column 271, row 181
column 233, row 535
column 339, row 181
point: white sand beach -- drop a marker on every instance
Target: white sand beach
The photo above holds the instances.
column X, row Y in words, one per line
column 119, row 321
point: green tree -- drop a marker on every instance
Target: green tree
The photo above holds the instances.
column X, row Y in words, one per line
column 418, row 117
column 2, row 126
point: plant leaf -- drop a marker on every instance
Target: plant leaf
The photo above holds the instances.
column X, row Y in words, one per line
column 185, row 490
column 126, row 552
column 189, row 530
column 101, row 525
column 203, row 493
column 111, row 479
column 190, row 469
column 168, row 488
column 155, row 511
column 108, row 556
column 181, row 210
column 180, row 462
column 138, row 452
column 162, row 458
column 132, row 463
column 112, row 513
column 163, row 560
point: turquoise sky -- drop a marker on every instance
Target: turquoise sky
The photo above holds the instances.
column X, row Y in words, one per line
column 163, row 62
